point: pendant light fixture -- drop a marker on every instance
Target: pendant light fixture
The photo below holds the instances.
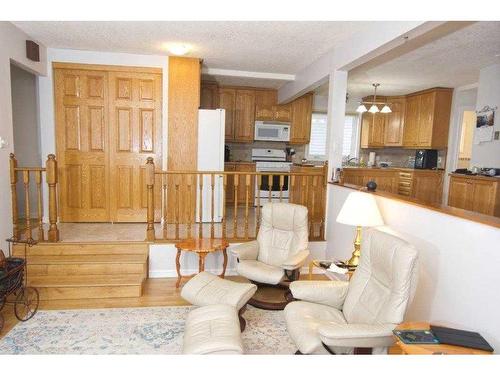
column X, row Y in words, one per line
column 374, row 104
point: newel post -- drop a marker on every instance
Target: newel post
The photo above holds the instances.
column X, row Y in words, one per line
column 51, row 171
column 13, row 182
column 150, row 181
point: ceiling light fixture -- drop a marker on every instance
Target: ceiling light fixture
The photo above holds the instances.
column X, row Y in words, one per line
column 178, row 49
column 374, row 104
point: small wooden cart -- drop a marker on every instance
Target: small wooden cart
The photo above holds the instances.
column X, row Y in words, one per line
column 14, row 289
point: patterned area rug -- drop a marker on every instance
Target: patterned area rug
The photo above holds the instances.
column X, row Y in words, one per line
column 157, row 330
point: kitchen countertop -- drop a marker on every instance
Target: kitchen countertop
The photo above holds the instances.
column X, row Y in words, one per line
column 239, row 162
column 476, row 177
column 406, row 169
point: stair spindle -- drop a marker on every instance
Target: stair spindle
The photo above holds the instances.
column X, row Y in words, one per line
column 13, row 192
column 27, row 213
column 38, row 181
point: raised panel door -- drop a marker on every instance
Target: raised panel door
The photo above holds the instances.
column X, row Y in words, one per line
column 411, row 124
column 483, row 197
column 227, row 99
column 459, row 193
column 229, row 167
column 135, row 134
column 264, row 112
column 427, row 187
column 376, row 132
column 282, row 113
column 365, row 130
column 242, row 187
column 244, row 119
column 209, row 97
column 301, row 120
column 426, row 119
column 393, row 132
column 265, row 101
column 82, row 144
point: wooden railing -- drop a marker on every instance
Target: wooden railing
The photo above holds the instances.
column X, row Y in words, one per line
column 23, row 224
column 183, row 194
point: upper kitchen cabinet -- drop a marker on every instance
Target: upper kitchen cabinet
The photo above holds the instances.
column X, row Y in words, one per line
column 227, row 101
column 427, row 119
column 301, row 110
column 267, row 109
column 244, row 116
column 394, row 123
column 209, row 95
column 372, row 129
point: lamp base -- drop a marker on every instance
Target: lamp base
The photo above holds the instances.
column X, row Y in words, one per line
column 354, row 261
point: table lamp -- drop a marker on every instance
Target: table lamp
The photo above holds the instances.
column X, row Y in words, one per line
column 359, row 209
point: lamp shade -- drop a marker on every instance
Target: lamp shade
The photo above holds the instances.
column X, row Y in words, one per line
column 361, row 108
column 385, row 109
column 360, row 209
column 373, row 109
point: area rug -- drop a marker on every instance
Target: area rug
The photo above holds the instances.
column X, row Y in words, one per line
column 157, row 330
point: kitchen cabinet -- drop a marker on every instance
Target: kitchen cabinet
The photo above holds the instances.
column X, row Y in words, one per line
column 209, row 95
column 301, row 110
column 394, row 123
column 427, row 119
column 227, row 99
column 244, row 116
column 267, row 109
column 475, row 193
column 372, row 129
column 422, row 185
column 242, row 188
column 427, row 186
column 240, row 113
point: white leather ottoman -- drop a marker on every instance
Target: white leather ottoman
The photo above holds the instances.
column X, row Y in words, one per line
column 213, row 329
column 206, row 289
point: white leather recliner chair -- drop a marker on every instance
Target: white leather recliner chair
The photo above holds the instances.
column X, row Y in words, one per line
column 357, row 316
column 281, row 247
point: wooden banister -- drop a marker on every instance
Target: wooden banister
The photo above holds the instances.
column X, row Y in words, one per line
column 150, row 182
column 51, row 171
column 13, row 192
column 241, row 213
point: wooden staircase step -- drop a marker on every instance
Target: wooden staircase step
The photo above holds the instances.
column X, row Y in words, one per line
column 81, row 248
column 87, row 286
column 68, row 269
column 86, row 258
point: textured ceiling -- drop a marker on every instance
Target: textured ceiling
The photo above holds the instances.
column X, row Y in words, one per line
column 450, row 61
column 272, row 47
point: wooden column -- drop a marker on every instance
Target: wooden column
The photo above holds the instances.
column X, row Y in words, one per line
column 51, row 170
column 150, row 182
column 13, row 182
column 183, row 104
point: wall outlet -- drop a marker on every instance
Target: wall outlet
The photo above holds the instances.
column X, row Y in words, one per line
column 497, row 135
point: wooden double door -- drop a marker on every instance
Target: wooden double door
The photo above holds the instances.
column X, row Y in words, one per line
column 108, row 122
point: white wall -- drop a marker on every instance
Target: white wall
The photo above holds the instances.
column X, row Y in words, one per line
column 12, row 49
column 487, row 154
column 458, row 260
column 26, row 129
column 162, row 260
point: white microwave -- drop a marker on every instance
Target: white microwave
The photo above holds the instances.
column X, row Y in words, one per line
column 272, row 131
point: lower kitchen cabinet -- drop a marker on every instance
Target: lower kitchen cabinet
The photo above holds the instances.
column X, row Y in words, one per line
column 242, row 187
column 475, row 193
column 426, row 186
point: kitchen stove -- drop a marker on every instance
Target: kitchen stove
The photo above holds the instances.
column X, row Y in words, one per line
column 271, row 160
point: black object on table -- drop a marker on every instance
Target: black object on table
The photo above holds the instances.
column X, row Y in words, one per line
column 460, row 337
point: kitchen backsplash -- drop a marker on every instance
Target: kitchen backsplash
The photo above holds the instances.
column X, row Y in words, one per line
column 399, row 157
column 243, row 151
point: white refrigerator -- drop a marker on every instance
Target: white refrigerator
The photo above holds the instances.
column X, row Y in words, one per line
column 211, row 127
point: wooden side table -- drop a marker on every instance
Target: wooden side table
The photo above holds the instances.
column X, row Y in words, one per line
column 330, row 275
column 431, row 348
column 202, row 247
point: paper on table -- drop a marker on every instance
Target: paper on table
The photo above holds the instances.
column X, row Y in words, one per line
column 334, row 268
column 483, row 134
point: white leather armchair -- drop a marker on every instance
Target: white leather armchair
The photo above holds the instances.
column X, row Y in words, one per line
column 281, row 247
column 356, row 316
